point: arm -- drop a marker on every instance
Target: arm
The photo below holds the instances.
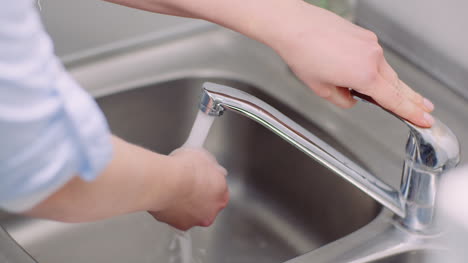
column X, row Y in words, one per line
column 140, row 180
column 122, row 187
column 325, row 51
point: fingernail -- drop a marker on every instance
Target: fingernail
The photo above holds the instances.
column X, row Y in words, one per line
column 429, row 119
column 428, row 104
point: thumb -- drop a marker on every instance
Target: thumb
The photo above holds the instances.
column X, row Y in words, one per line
column 341, row 97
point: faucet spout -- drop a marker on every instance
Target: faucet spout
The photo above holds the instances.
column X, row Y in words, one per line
column 217, row 98
column 430, row 152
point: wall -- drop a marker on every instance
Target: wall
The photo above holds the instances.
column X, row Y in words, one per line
column 430, row 33
column 79, row 25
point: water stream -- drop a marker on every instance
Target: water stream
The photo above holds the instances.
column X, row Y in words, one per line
column 181, row 245
column 201, row 127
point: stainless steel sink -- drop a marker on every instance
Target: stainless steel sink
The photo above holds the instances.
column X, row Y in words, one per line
column 283, row 203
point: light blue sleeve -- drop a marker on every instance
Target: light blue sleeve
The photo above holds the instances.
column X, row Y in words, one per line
column 50, row 129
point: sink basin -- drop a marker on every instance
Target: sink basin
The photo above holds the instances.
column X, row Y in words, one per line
column 283, row 204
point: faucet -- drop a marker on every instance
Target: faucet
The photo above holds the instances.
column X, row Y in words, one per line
column 410, row 226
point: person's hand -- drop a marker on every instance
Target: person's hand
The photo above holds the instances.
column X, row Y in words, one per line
column 330, row 55
column 203, row 192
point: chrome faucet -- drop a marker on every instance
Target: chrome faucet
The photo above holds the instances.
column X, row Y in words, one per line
column 429, row 153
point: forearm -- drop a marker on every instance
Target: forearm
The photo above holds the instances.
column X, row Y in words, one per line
column 135, row 180
column 260, row 19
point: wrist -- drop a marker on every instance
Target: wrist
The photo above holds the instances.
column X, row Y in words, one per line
column 263, row 20
column 276, row 22
column 283, row 34
column 173, row 185
column 159, row 178
column 181, row 179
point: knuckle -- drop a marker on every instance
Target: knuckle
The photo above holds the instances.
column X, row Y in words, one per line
column 368, row 76
column 379, row 51
column 323, row 92
column 207, row 222
column 369, row 69
column 323, row 95
column 397, row 103
column 376, row 51
column 224, row 203
column 371, row 36
column 395, row 79
column 183, row 227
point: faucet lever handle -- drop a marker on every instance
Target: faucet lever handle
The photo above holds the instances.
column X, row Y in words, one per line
column 363, row 97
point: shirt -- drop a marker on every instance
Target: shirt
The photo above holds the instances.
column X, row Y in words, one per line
column 50, row 128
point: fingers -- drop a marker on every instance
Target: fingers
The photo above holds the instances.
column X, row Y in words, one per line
column 396, row 99
column 392, row 78
column 421, row 101
column 208, row 221
column 342, row 97
column 399, row 98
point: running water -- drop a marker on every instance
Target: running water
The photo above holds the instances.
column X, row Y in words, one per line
column 182, row 242
column 181, row 245
column 200, row 130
